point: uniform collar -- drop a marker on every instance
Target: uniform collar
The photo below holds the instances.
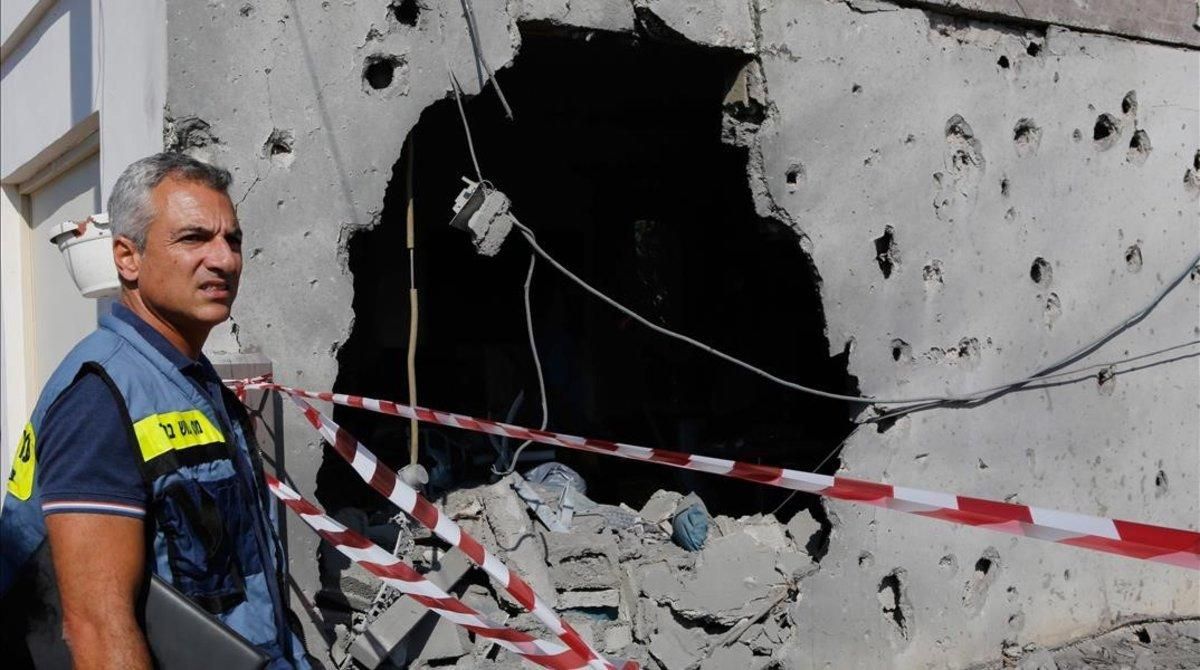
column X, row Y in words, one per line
column 156, row 339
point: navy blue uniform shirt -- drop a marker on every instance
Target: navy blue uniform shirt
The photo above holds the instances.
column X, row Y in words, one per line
column 86, row 461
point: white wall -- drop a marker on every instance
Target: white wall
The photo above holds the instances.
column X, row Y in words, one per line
column 49, row 81
column 61, row 316
column 75, row 76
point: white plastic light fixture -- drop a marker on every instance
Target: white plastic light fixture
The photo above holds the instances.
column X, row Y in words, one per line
column 86, row 247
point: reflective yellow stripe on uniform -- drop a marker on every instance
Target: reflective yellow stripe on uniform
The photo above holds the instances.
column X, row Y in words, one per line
column 20, row 481
column 159, row 433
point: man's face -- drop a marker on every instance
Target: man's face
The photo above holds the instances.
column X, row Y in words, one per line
column 188, row 273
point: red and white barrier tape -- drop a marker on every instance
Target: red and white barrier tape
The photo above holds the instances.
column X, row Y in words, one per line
column 386, row 482
column 403, row 577
column 1161, row 544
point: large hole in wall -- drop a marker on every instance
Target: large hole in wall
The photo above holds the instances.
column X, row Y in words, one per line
column 615, row 159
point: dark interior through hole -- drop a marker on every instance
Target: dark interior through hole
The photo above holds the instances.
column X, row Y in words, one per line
column 619, row 168
column 379, row 72
column 406, row 11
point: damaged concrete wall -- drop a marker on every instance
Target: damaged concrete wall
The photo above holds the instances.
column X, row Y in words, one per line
column 978, row 198
column 879, row 109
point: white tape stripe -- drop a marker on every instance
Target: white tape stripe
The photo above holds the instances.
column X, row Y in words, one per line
column 1080, row 524
column 404, row 496
column 924, row 500
column 640, row 453
column 367, row 555
column 364, row 463
column 540, row 610
column 371, row 404
column 448, row 530
column 718, row 466
column 324, row 523
column 496, row 570
column 805, row 481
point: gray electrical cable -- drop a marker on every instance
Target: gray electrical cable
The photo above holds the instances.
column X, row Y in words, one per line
column 537, row 362
column 480, row 61
column 462, row 113
column 1058, row 364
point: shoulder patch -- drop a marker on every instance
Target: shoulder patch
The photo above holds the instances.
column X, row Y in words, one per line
column 20, row 481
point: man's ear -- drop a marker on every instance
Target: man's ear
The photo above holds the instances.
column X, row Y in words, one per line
column 127, row 258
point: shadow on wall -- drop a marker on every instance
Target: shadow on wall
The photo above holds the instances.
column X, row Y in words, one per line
column 615, row 159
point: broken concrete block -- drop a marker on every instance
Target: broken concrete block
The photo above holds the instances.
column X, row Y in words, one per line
column 1039, row 660
column 408, row 631
column 802, row 527
column 767, row 532
column 589, row 599
column 645, row 620
column 675, row 646
column 733, row 577
column 582, row 562
column 516, row 538
column 660, row 506
column 617, row 636
column 733, row 656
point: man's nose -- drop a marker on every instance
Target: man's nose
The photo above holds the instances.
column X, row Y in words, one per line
column 222, row 256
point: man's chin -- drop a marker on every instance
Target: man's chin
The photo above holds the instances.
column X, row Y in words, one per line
column 212, row 314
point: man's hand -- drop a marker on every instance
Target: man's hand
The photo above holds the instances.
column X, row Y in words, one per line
column 100, row 564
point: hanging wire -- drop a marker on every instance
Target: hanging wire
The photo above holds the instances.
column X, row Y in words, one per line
column 1072, row 357
column 537, row 362
column 481, row 64
column 462, row 113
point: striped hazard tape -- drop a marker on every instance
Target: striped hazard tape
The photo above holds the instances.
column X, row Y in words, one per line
column 1161, row 544
column 403, row 577
column 386, row 482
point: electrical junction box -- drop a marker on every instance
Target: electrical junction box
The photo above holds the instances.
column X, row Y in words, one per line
column 484, row 212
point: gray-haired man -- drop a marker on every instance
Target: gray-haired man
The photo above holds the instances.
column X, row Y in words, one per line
column 136, row 459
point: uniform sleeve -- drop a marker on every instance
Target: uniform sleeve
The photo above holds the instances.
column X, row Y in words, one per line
column 86, row 461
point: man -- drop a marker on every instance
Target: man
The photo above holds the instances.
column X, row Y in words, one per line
column 136, row 459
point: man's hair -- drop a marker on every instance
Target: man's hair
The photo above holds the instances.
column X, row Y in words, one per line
column 129, row 208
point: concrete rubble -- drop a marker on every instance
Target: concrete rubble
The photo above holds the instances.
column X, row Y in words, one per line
column 616, row 576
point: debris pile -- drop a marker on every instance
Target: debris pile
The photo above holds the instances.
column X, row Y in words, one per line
column 614, row 573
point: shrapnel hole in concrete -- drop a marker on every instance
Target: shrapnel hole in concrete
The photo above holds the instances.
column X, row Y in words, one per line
column 1139, row 147
column 1033, row 49
column 1105, row 131
column 379, row 71
column 794, row 175
column 1040, row 272
column 892, row 601
column 1160, row 483
column 1143, row 635
column 1129, row 103
column 887, row 252
column 406, row 12
column 1133, row 258
column 1026, row 136
column 592, row 164
column 1002, row 62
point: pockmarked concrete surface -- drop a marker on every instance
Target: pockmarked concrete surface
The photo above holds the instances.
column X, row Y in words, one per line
column 979, row 197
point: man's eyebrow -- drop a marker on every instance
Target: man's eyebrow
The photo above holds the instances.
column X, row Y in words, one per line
column 191, row 230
